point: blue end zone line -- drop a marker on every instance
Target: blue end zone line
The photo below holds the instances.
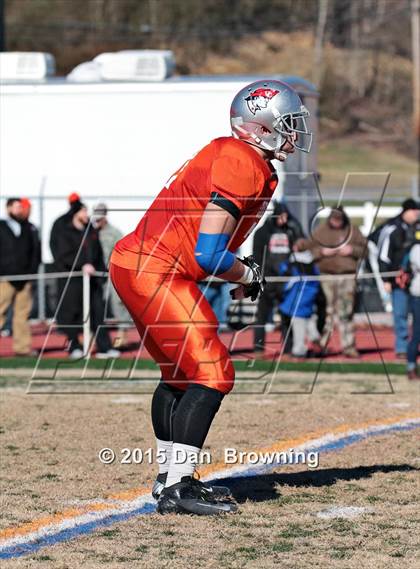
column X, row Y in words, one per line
column 327, row 447
column 150, row 508
column 71, row 533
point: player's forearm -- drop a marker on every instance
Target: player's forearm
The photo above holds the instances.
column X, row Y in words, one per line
column 238, row 273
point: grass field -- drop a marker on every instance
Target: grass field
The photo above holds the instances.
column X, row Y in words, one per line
column 13, row 363
column 290, row 515
column 339, row 156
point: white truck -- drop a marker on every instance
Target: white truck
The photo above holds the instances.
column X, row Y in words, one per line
column 119, row 142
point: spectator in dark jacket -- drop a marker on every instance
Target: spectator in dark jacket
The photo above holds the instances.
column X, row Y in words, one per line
column 75, row 246
column 273, row 243
column 397, row 238
column 19, row 255
column 25, row 215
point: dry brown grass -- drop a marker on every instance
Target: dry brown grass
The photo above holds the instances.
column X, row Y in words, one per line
column 49, row 462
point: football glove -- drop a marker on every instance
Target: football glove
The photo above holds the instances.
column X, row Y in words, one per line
column 256, row 287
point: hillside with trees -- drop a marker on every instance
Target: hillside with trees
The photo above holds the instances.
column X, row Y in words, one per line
column 358, row 52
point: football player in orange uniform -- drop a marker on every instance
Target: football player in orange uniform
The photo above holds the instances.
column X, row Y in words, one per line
column 191, row 230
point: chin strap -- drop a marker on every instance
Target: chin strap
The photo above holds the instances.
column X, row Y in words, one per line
column 254, row 140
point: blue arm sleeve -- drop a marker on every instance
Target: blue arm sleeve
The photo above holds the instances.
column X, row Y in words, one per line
column 211, row 253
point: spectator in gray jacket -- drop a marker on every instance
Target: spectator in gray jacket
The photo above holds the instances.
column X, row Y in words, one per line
column 108, row 236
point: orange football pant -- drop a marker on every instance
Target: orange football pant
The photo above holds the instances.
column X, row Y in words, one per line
column 177, row 326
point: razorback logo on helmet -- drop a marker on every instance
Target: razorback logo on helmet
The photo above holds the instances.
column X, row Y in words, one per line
column 259, row 99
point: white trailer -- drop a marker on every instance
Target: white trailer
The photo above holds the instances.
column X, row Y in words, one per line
column 119, row 142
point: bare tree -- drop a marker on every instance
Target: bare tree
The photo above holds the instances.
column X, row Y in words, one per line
column 319, row 41
column 415, row 23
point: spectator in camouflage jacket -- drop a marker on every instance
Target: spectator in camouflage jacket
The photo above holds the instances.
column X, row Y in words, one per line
column 338, row 247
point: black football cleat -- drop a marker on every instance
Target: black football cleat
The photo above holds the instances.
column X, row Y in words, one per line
column 212, row 492
column 208, row 490
column 186, row 497
column 159, row 485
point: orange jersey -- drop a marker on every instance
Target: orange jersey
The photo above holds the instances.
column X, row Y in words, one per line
column 165, row 239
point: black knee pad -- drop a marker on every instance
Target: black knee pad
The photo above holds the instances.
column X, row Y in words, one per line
column 195, row 414
column 164, row 403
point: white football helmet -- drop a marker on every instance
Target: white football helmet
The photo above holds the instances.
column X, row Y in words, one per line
column 269, row 113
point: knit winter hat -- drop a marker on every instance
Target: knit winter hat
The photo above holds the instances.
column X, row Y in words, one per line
column 76, row 206
column 73, row 197
column 410, row 203
column 279, row 208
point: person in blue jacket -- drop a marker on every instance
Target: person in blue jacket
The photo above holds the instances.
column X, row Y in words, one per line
column 299, row 300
